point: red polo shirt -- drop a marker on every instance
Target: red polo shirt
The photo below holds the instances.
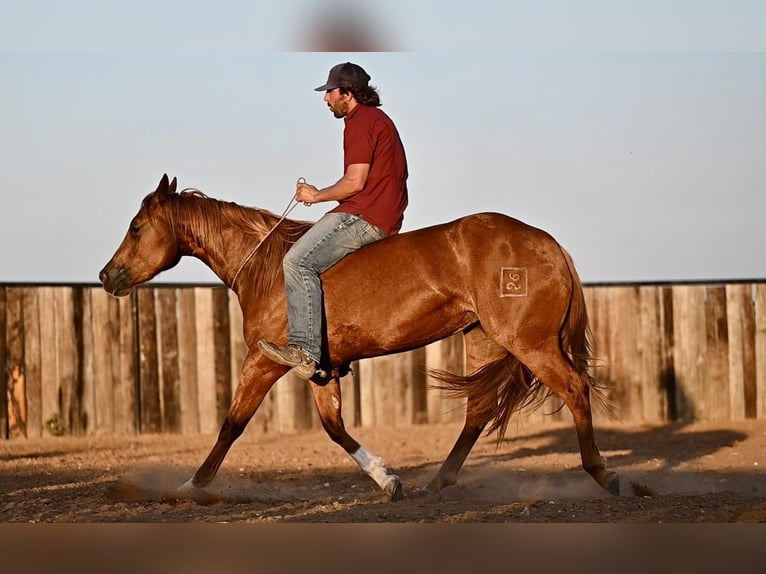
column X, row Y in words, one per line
column 369, row 136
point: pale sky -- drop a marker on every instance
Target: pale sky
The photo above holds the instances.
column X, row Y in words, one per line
column 633, row 132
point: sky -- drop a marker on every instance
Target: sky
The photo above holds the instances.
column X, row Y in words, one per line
column 633, row 132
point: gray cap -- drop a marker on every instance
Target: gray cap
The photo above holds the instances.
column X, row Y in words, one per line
column 345, row 75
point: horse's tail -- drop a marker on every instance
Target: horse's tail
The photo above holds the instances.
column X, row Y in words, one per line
column 575, row 331
column 576, row 336
column 495, row 391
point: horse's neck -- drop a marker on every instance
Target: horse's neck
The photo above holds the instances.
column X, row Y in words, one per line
column 220, row 245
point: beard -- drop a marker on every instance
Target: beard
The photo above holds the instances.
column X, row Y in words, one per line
column 340, row 109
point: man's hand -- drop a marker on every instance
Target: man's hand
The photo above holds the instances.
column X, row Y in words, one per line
column 352, row 182
column 306, row 193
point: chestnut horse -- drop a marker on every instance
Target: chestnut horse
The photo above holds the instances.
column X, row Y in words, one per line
column 510, row 288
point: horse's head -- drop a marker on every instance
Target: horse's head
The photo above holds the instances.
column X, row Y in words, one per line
column 149, row 247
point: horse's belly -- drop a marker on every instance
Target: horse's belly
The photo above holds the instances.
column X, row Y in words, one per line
column 375, row 329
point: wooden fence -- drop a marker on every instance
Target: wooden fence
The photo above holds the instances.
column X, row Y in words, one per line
column 167, row 358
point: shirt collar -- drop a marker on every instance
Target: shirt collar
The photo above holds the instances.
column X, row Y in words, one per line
column 352, row 113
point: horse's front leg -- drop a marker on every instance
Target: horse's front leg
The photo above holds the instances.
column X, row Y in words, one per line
column 257, row 377
column 328, row 401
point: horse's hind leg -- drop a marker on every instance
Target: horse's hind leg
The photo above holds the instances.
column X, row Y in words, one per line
column 255, row 381
column 472, row 429
column 480, row 350
column 551, row 367
column 328, row 402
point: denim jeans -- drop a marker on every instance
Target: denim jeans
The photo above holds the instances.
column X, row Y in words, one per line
column 330, row 239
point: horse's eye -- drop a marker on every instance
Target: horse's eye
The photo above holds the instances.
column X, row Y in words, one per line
column 134, row 229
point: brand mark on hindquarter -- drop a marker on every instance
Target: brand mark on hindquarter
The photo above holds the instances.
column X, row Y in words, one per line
column 513, row 281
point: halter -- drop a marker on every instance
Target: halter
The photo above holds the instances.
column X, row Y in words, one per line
column 290, row 206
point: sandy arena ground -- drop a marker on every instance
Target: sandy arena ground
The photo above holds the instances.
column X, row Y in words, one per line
column 709, row 472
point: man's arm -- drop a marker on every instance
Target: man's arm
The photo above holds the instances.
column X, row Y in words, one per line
column 352, row 182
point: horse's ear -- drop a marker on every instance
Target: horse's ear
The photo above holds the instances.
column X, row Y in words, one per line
column 166, row 187
column 162, row 188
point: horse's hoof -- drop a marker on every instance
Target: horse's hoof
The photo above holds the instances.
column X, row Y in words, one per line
column 425, row 492
column 397, row 492
column 187, row 491
column 613, row 484
column 187, row 487
column 393, row 486
column 420, row 492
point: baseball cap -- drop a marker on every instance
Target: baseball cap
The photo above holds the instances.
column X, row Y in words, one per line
column 346, row 75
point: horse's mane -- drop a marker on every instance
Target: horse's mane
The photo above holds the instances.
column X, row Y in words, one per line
column 206, row 218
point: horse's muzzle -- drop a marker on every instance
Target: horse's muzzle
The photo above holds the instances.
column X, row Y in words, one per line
column 117, row 282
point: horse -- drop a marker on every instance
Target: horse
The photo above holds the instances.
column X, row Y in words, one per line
column 510, row 288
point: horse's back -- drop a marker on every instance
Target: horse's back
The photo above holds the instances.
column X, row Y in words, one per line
column 468, row 233
column 470, row 242
column 429, row 283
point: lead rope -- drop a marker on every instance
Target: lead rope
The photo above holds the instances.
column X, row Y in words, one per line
column 290, row 206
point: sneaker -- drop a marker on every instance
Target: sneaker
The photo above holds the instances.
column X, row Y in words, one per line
column 291, row 356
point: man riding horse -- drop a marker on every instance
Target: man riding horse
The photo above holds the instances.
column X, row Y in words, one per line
column 371, row 196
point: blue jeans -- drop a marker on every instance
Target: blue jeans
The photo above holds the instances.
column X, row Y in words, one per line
column 330, row 239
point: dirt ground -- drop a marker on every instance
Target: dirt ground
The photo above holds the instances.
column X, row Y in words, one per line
column 709, row 472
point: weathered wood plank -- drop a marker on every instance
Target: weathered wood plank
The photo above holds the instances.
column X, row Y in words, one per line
column 760, row 350
column 366, row 377
column 103, row 348
column 689, row 333
column 749, row 352
column 378, row 391
column 165, row 301
column 411, row 399
column 651, row 341
column 716, row 369
column 68, row 362
column 293, row 404
column 387, row 387
column 598, row 314
column 84, row 334
column 3, row 365
column 16, row 376
column 32, row 362
column 741, row 320
column 17, row 404
column 115, row 365
column 221, row 352
column 736, row 375
column 148, row 365
column 445, row 355
column 126, row 412
column 206, row 376
column 619, row 392
column 51, row 411
column 667, row 359
column 626, row 348
column 187, row 361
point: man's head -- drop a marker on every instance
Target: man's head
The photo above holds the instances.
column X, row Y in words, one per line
column 346, row 76
column 348, row 85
